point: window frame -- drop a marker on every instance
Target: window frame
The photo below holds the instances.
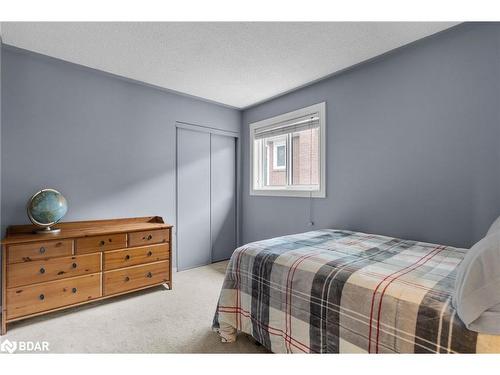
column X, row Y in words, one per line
column 290, row 190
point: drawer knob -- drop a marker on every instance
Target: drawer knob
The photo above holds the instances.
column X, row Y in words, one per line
column 42, row 250
column 149, row 275
column 42, row 270
column 42, row 297
column 73, row 290
column 148, row 238
column 150, row 253
column 74, row 265
column 127, row 278
column 101, row 243
column 127, row 257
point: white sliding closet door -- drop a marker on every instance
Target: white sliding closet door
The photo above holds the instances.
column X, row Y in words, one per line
column 223, row 196
column 206, row 197
column 193, row 199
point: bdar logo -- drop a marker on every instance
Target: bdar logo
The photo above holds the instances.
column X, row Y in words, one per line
column 8, row 346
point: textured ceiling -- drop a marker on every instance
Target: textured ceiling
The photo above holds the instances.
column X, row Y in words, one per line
column 238, row 64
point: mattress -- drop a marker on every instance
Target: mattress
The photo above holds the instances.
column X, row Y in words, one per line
column 338, row 291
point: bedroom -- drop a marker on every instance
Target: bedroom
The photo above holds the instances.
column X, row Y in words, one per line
column 250, row 187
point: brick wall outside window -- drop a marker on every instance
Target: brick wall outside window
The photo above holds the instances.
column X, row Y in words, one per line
column 305, row 160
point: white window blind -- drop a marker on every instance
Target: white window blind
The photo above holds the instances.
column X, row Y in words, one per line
column 295, row 125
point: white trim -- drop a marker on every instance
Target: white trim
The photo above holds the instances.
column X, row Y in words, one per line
column 292, row 191
column 206, row 129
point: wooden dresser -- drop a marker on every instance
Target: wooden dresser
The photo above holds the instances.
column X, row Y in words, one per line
column 86, row 261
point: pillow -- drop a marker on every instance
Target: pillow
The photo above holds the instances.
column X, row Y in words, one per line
column 477, row 286
column 495, row 227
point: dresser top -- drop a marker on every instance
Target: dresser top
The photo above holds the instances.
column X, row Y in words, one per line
column 74, row 229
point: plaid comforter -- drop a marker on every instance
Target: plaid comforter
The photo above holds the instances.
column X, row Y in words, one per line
column 337, row 291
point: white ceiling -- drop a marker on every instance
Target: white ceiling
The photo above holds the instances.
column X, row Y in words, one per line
column 236, row 63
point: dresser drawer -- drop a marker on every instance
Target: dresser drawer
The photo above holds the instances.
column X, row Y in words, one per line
column 52, row 269
column 100, row 243
column 148, row 237
column 39, row 250
column 53, row 294
column 134, row 256
column 135, row 277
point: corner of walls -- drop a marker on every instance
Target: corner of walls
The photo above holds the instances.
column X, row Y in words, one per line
column 239, row 182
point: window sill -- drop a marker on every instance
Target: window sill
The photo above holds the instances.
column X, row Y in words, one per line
column 287, row 193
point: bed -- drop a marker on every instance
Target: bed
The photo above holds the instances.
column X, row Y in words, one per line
column 338, row 291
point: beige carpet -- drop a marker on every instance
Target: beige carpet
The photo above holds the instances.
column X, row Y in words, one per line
column 154, row 321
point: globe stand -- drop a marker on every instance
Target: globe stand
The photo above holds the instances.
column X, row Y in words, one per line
column 48, row 230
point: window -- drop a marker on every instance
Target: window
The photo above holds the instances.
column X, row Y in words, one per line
column 288, row 154
column 279, row 154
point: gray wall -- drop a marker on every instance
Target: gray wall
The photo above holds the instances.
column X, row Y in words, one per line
column 107, row 143
column 412, row 144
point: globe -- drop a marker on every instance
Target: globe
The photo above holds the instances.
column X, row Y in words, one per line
column 46, row 208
